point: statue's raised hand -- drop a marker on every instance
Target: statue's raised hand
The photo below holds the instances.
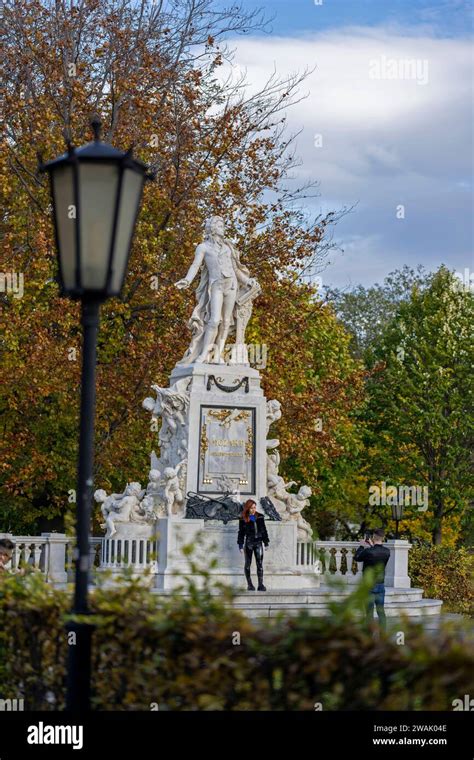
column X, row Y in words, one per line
column 182, row 284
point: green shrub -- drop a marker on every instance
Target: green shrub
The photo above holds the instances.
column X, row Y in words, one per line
column 444, row 573
column 195, row 652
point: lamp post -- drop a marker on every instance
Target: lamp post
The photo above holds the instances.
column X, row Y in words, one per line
column 397, row 515
column 96, row 192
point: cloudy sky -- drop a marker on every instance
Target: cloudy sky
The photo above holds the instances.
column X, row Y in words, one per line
column 386, row 124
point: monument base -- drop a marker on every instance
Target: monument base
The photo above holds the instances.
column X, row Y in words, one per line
column 225, row 431
column 216, row 552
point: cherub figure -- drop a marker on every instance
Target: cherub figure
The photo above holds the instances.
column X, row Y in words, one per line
column 121, row 508
column 273, row 462
column 171, row 403
column 154, row 483
column 172, row 492
column 273, row 415
column 278, row 493
column 108, row 504
column 290, row 505
column 297, row 503
column 273, row 412
column 150, row 513
column 154, row 492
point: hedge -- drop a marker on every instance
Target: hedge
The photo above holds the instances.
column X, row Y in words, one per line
column 444, row 573
column 196, row 652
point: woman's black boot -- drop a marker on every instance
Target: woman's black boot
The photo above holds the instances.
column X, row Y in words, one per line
column 250, row 586
column 259, row 558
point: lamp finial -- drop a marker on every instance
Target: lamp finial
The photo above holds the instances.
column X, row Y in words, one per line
column 96, row 125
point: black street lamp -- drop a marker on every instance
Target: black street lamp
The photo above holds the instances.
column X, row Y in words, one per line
column 96, row 192
column 397, row 515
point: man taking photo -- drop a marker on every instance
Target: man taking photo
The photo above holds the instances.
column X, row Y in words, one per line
column 375, row 557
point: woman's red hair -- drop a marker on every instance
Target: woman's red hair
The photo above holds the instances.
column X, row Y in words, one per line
column 247, row 505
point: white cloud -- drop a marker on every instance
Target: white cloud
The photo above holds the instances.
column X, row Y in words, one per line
column 385, row 141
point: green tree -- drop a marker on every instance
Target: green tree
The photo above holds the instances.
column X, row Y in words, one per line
column 420, row 408
column 366, row 312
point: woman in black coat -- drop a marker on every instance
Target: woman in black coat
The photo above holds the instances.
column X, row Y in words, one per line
column 253, row 535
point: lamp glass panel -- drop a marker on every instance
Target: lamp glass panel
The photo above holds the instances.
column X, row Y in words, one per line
column 132, row 185
column 397, row 511
column 98, row 184
column 65, row 213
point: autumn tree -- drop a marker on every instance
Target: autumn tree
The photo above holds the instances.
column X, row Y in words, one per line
column 160, row 77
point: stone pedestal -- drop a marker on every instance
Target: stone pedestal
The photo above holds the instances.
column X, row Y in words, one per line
column 55, row 562
column 214, row 540
column 226, row 430
column 396, row 572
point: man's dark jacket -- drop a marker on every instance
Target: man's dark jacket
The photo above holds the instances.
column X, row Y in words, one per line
column 375, row 556
column 253, row 532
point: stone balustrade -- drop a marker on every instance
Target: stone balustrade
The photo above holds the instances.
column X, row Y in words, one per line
column 138, row 553
column 51, row 553
column 336, row 559
column 46, row 553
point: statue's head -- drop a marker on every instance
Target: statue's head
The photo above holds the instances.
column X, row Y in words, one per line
column 133, row 488
column 100, row 495
column 304, row 492
column 169, row 472
column 274, row 405
column 154, row 476
column 214, row 226
column 149, row 404
column 148, row 504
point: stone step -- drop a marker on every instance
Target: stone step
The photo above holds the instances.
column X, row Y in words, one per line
column 418, row 608
column 398, row 601
column 312, row 596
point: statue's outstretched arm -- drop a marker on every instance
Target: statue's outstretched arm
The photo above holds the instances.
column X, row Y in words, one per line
column 193, row 269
